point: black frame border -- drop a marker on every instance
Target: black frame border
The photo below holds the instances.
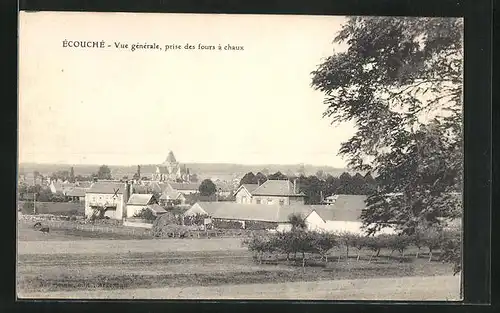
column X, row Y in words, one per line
column 477, row 127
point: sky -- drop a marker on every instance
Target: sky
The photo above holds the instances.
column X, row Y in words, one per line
column 121, row 107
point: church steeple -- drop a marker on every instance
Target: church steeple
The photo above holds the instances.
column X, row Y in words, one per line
column 170, row 158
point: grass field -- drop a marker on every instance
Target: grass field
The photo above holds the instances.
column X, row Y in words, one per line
column 437, row 288
column 25, row 232
column 53, row 266
column 92, row 265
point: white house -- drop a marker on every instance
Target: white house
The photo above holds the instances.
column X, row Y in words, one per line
column 138, row 202
column 244, row 193
column 343, row 215
column 111, row 195
column 280, row 192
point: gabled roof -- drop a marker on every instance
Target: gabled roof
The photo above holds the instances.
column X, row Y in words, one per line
column 84, row 184
column 63, row 187
column 156, row 208
column 276, row 188
column 136, row 188
column 140, row 199
column 107, row 187
column 252, row 212
column 249, row 187
column 170, row 195
column 185, row 186
column 76, row 192
column 346, row 208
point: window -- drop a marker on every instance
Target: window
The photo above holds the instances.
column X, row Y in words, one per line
column 243, row 199
column 282, row 202
column 269, row 201
column 257, row 201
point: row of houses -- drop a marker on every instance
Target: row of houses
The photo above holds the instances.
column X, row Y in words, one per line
column 271, row 202
column 343, row 215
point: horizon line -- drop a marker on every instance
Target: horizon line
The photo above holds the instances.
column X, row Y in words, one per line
column 207, row 163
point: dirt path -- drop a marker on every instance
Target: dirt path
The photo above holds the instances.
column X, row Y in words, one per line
column 406, row 288
column 125, row 246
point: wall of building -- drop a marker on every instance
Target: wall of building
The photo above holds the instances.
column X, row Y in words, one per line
column 101, row 199
column 243, row 196
column 133, row 209
column 315, row 222
column 271, row 200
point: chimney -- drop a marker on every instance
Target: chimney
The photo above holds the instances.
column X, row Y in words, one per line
column 126, row 196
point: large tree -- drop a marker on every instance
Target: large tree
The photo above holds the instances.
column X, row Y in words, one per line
column 104, row 172
column 249, row 178
column 400, row 83
column 207, row 188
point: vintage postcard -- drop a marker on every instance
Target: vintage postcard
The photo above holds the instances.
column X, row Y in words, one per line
column 218, row 156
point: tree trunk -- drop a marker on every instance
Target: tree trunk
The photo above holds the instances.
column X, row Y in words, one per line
column 260, row 258
column 357, row 258
column 338, row 260
column 326, row 259
column 371, row 256
column 378, row 253
column 288, row 256
column 347, row 254
column 416, row 255
column 430, row 256
column 303, row 262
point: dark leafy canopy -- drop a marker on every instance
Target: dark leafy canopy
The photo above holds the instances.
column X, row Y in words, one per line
column 207, row 188
column 400, row 82
column 104, row 172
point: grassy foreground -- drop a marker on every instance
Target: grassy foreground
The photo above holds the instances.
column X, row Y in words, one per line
column 83, row 272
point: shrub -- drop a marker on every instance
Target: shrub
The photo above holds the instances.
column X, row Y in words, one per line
column 146, row 214
column 198, row 219
column 260, row 225
column 226, row 224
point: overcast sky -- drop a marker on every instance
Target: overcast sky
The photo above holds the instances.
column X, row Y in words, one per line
column 118, row 107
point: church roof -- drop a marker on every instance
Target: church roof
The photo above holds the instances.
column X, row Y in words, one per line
column 170, row 158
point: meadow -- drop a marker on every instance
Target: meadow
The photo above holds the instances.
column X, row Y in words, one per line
column 58, row 262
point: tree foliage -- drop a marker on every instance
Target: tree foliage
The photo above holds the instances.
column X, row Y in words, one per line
column 104, row 172
column 400, row 82
column 207, row 188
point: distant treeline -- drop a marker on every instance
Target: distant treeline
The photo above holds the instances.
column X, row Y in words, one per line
column 319, row 186
column 202, row 169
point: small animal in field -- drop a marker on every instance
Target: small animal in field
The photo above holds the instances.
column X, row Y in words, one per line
column 40, row 227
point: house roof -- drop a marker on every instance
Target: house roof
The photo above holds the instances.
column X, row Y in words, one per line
column 275, row 188
column 107, row 187
column 63, row 187
column 140, row 199
column 346, row 208
column 185, row 186
column 250, row 187
column 135, row 188
column 84, row 184
column 76, row 192
column 252, row 212
column 156, row 208
column 170, row 195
